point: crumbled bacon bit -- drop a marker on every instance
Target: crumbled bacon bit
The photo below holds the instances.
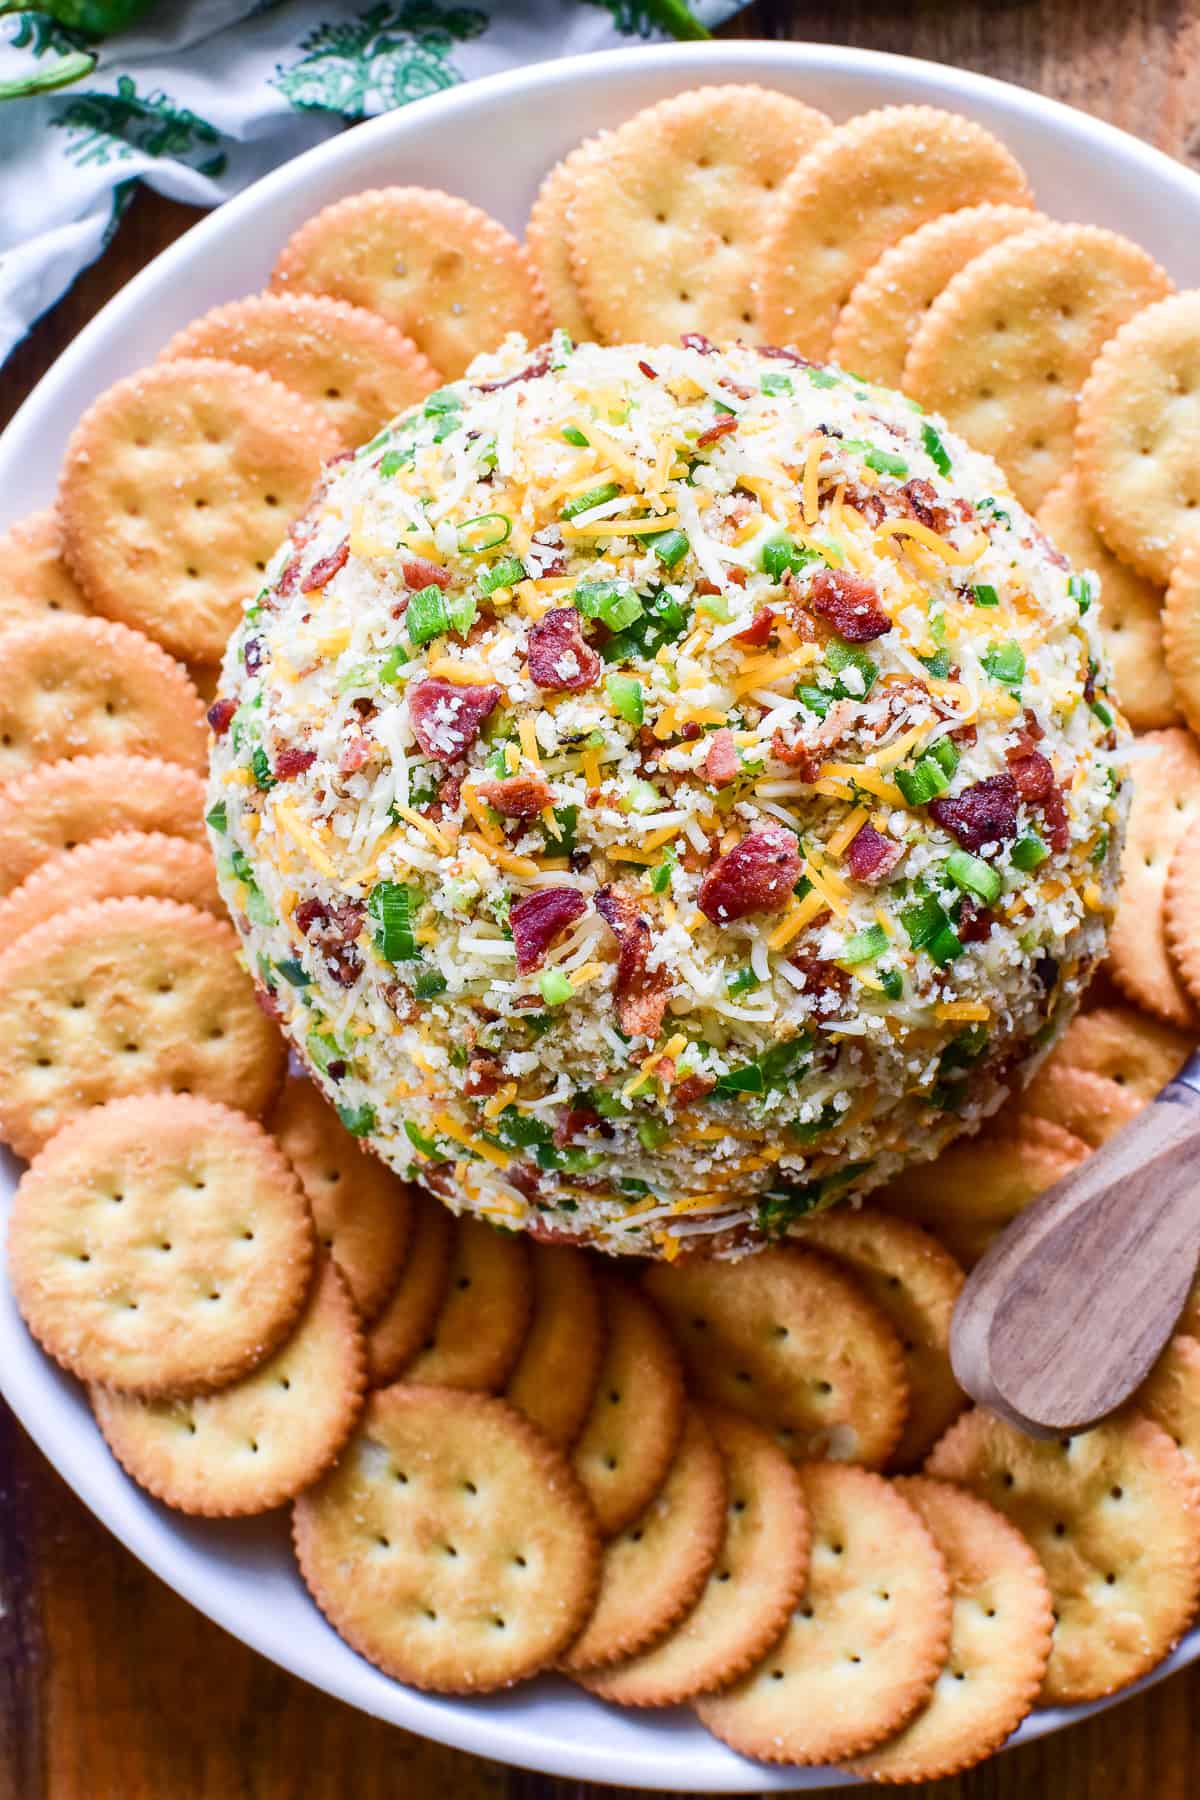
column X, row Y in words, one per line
column 559, row 658
column 356, row 752
column 334, row 929
column 484, row 1075
column 1038, row 786
column 720, row 428
column 326, row 567
column 983, row 814
column 540, row 918
column 220, row 715
column 641, row 993
column 418, row 572
column 290, row 762
column 648, row 372
column 721, row 761
column 919, row 501
column 696, row 340
column 964, row 735
column 850, row 604
column 757, row 875
column 446, row 718
column 517, row 796
column 975, row 921
column 822, row 977
column 807, row 753
column 691, row 1089
column 758, row 631
column 268, row 1002
column 574, row 1121
column 870, row 856
column 539, row 366
column 252, row 655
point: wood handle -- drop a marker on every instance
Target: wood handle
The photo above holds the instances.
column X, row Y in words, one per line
column 1069, row 1310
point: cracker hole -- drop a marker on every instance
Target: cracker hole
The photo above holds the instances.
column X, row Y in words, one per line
column 285, row 1384
column 781, row 1331
column 450, row 1550
column 84, row 1257
column 253, row 1447
column 470, row 1488
column 723, row 1575
column 1116, row 1493
column 386, row 1544
column 77, row 1003
column 743, row 1376
column 199, row 504
column 216, row 1294
column 273, row 499
column 1009, row 1479
column 499, row 1624
column 1060, row 1529
column 191, row 572
column 776, row 1674
column 853, row 1658
column 739, row 1506
column 401, row 1477
column 637, row 1536
column 610, row 1461
column 685, row 297
column 838, row 1549
column 699, row 1324
column 131, row 1049
column 823, row 1387
column 520, row 1562
column 1110, row 1579
column 168, row 1246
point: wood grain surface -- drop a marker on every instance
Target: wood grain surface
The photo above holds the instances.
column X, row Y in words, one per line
column 111, row 1688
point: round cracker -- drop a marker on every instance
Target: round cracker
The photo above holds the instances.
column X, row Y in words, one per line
column 755, row 1583
column 1114, row 1515
column 1182, row 911
column 632, row 1431
column 1139, row 1053
column 794, row 1343
column 880, row 319
column 177, row 486
column 554, row 1381
column 361, row 1209
column 128, row 864
column 1000, row 1631
column 56, row 806
column 1138, row 439
column 260, row 1441
column 79, row 687
column 863, row 187
column 1131, row 610
column 653, row 1572
column 125, row 997
column 352, row 366
column 477, row 1333
column 450, row 1545
column 667, row 217
column 914, row 1282
column 1089, row 1106
column 1005, row 349
column 1165, row 808
column 34, row 579
column 979, row 1184
column 547, row 240
column 444, row 273
column 1170, row 1394
column 1181, row 631
column 160, row 1245
column 861, row 1653
column 404, row 1321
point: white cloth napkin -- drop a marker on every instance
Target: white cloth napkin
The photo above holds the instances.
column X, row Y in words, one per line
column 204, row 96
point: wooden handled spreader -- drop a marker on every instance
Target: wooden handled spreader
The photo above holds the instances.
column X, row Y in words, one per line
column 1068, row 1311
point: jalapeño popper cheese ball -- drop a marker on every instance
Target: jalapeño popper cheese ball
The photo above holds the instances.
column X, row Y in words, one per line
column 664, row 790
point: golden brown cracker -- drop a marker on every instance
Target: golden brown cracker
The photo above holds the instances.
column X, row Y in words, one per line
column 979, row 1184
column 361, row 1209
column 547, row 239
column 862, row 188
column 177, row 486
column 1138, row 438
column 1165, row 808
column 914, row 1282
column 864, row 1648
column 444, row 273
column 1181, row 630
column 754, row 1586
column 450, row 1544
column 1004, row 350
column 34, row 579
column 403, row 1323
column 86, row 687
column 667, row 217
column 260, row 1441
column 1131, row 610
column 128, row 864
column 633, row 1428
column 1000, row 1632
column 1114, row 1515
column 879, row 321
column 1139, row 1053
column 56, row 806
column 127, row 997
column 653, row 1571
column 352, row 366
column 1181, row 911
column 160, row 1245
column 554, row 1381
column 1089, row 1106
column 794, row 1343
column 477, row 1333
column 1170, row 1394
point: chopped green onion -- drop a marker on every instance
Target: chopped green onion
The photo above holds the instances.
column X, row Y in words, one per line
column 506, row 573
column 1029, row 852
column 653, row 1133
column 473, row 538
column 985, row 595
column 394, row 461
column 426, row 1145
column 717, row 606
column 358, row 1120
column 923, row 782
column 885, row 462
column 741, row 981
column 555, row 987
column 929, row 928
column 360, row 676
column 426, row 616
column 574, row 436
column 1005, row 662
column 1081, row 590
column 814, row 699
column 746, row 1080
column 217, row 816
column 973, row 875
column 1099, row 850
column 461, row 611
column 821, row 378
column 393, row 662
column 660, row 878
column 429, row 984
column 670, row 547
column 892, row 982
column 840, row 656
column 865, row 946
column 442, row 400
column 561, row 841
column 626, row 695
column 945, row 754
column 292, row 971
column 938, row 664
column 944, row 946
column 989, row 505
column 935, row 450
column 393, row 908
column 783, row 1061
column 323, row 1049
column 773, row 383
column 597, row 496
column 261, row 768
column 1102, row 712
column 781, row 555
column 614, row 603
column 561, row 347
column 937, row 627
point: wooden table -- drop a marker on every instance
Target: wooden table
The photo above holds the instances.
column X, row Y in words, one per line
column 112, row 1687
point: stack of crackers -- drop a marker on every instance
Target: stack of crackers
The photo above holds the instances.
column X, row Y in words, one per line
column 753, row 1487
